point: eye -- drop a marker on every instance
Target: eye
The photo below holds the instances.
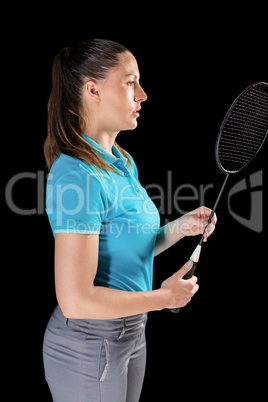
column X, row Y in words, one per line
column 131, row 83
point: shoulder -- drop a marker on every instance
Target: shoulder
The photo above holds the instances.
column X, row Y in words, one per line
column 67, row 168
column 69, row 173
column 75, row 199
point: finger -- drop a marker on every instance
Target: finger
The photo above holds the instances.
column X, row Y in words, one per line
column 212, row 223
column 196, row 288
column 184, row 269
column 194, row 279
column 213, row 219
column 211, row 227
column 204, row 212
column 208, row 233
column 200, row 212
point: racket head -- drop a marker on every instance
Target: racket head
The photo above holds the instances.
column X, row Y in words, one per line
column 244, row 129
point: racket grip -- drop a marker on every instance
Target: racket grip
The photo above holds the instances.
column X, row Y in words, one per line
column 186, row 276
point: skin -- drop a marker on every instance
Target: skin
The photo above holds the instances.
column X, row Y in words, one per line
column 110, row 106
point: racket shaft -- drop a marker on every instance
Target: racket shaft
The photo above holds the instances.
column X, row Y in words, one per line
column 218, row 198
column 214, row 208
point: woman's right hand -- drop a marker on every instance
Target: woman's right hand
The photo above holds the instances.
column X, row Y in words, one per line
column 179, row 290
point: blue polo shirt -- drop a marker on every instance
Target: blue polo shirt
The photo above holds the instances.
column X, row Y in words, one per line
column 116, row 207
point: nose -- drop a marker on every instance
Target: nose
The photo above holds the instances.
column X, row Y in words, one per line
column 140, row 95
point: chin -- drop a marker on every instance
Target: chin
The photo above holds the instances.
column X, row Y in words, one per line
column 129, row 128
column 133, row 125
column 129, row 125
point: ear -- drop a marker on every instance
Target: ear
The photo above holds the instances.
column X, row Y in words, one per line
column 92, row 90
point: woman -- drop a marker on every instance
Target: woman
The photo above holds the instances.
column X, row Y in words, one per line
column 106, row 230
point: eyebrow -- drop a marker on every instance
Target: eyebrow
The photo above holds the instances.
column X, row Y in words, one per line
column 134, row 75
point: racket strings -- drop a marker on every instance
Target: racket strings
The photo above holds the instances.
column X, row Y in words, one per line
column 250, row 111
column 250, row 117
column 244, row 129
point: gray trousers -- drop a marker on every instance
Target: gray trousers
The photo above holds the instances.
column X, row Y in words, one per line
column 95, row 360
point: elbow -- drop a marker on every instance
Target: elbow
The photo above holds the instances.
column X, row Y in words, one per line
column 67, row 311
column 73, row 307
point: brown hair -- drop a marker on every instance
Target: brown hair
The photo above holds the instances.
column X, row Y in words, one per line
column 72, row 68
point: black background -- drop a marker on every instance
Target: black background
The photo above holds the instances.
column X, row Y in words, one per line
column 193, row 63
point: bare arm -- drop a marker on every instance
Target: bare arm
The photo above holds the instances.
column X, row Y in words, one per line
column 190, row 224
column 76, row 259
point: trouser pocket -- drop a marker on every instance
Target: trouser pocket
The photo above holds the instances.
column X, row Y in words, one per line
column 106, row 353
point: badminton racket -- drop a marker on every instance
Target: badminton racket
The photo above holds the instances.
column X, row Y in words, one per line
column 241, row 136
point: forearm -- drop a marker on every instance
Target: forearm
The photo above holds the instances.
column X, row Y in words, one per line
column 191, row 224
column 107, row 303
column 168, row 235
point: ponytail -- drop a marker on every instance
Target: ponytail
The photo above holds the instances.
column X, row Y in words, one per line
column 55, row 110
column 89, row 60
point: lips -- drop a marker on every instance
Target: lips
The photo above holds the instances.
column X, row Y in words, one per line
column 136, row 111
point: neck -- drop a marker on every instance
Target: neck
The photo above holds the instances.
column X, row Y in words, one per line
column 103, row 138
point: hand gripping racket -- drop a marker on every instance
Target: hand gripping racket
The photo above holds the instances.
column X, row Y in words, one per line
column 242, row 134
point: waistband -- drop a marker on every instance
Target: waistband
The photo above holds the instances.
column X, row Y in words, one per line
column 115, row 328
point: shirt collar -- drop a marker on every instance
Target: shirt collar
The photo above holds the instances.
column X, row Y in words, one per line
column 108, row 158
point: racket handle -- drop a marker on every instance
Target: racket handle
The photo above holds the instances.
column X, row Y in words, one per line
column 186, row 276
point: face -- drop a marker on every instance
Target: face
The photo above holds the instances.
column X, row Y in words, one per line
column 121, row 96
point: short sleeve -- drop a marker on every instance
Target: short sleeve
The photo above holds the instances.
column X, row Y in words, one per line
column 75, row 202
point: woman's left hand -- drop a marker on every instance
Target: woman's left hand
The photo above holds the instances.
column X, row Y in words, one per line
column 193, row 223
